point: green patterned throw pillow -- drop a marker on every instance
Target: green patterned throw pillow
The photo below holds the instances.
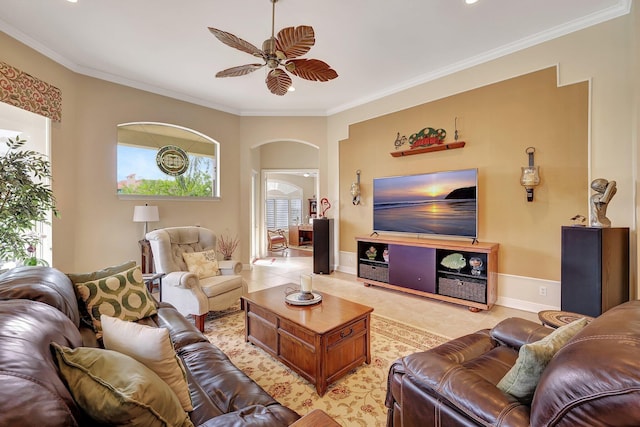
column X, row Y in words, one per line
column 95, row 275
column 122, row 295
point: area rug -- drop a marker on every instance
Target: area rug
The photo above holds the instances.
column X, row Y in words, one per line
column 355, row 400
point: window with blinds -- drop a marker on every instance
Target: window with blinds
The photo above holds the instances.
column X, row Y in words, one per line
column 295, row 210
column 281, row 212
column 277, row 213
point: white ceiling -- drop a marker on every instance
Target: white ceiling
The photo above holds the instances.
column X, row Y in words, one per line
column 377, row 47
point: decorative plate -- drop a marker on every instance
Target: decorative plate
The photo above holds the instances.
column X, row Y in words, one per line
column 172, row 160
column 297, row 298
column 454, row 261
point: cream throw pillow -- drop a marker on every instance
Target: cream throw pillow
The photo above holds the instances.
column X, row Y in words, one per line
column 204, row 264
column 153, row 348
column 522, row 379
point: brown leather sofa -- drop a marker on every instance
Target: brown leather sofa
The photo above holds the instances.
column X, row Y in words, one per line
column 38, row 306
column 593, row 380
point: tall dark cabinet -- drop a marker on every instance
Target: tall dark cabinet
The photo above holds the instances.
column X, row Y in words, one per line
column 595, row 269
column 322, row 245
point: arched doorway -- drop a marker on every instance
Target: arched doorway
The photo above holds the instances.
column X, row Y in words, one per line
column 285, row 162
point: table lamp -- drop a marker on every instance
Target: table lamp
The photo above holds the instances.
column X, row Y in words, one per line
column 146, row 214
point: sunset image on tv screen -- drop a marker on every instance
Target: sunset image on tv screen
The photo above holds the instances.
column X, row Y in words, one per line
column 433, row 203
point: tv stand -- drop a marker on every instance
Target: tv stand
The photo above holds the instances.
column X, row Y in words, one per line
column 418, row 266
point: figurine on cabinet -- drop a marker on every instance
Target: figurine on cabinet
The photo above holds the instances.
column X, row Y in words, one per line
column 605, row 190
column 371, row 253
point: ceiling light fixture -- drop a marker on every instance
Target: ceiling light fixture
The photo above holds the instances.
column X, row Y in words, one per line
column 470, row 1
column 72, row 1
column 280, row 53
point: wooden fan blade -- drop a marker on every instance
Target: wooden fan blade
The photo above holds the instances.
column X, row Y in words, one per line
column 239, row 71
column 295, row 41
column 236, row 42
column 278, row 81
column 311, row 69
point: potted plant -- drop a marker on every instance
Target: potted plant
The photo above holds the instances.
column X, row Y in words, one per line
column 25, row 199
column 227, row 246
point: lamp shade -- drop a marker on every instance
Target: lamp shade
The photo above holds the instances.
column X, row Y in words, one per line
column 146, row 214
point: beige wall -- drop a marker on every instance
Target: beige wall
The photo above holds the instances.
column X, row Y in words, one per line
column 497, row 122
column 95, row 228
column 635, row 128
column 288, row 155
column 83, row 145
column 601, row 55
column 105, row 106
column 63, row 153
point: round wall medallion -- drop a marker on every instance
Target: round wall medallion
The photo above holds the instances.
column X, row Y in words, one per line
column 172, row 160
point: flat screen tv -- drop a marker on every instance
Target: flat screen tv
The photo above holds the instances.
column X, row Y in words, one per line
column 441, row 203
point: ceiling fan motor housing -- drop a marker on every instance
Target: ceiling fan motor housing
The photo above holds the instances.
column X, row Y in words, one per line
column 269, row 46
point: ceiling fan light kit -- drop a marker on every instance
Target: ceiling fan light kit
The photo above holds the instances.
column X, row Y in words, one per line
column 279, row 54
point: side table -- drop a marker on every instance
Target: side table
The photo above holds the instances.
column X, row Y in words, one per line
column 153, row 279
column 557, row 318
column 146, row 257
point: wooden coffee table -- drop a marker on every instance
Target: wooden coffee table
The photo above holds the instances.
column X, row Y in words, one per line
column 321, row 342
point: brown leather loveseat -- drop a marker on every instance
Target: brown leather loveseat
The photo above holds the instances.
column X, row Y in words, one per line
column 593, row 380
column 38, row 306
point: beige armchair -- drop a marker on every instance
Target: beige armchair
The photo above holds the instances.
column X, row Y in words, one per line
column 185, row 290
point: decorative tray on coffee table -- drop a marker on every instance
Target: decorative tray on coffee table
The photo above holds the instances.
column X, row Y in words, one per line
column 302, row 298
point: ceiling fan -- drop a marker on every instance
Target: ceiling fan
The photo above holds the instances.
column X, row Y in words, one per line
column 280, row 54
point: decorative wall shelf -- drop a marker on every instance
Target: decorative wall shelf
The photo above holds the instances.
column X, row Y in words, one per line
column 428, row 149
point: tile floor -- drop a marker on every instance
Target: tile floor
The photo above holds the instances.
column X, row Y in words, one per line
column 443, row 318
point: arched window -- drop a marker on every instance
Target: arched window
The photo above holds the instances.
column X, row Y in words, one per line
column 159, row 160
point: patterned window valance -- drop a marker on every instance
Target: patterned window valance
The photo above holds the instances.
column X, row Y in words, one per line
column 29, row 93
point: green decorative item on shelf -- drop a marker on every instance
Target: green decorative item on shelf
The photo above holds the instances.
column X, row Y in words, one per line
column 427, row 136
column 454, row 261
column 26, row 199
column 371, row 253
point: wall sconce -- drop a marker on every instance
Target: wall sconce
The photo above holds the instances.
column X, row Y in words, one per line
column 355, row 189
column 530, row 176
column 145, row 214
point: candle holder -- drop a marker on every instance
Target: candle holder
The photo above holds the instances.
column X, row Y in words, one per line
column 306, row 292
column 530, row 175
column 305, row 296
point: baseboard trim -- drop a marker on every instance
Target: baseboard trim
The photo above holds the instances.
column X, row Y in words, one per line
column 524, row 305
column 347, row 270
